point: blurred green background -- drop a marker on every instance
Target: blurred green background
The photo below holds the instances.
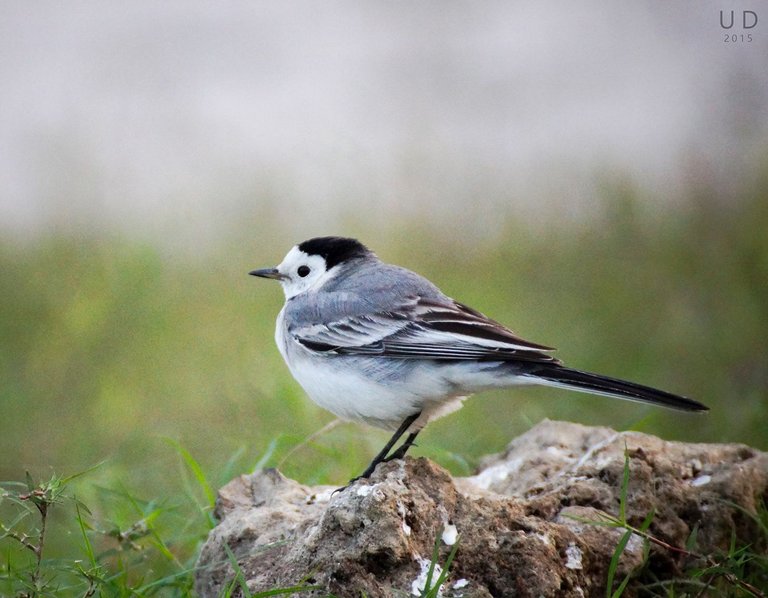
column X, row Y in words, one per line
column 110, row 345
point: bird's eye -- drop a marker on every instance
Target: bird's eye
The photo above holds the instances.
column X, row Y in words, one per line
column 303, row 271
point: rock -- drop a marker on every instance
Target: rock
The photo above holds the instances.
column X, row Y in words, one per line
column 520, row 520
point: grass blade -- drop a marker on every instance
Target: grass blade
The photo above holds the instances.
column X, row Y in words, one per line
column 447, row 566
column 427, row 593
column 86, row 540
column 624, row 488
column 196, row 470
column 614, row 564
column 239, row 575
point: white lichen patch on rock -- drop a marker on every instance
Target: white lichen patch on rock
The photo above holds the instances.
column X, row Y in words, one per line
column 496, row 473
column 363, row 490
column 419, row 584
column 321, row 497
column 634, row 544
column 573, row 557
column 450, row 533
column 401, row 510
column 702, row 480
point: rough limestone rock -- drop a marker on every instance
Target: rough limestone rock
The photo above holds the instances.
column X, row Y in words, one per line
column 519, row 520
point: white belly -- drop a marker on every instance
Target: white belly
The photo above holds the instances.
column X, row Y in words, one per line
column 379, row 392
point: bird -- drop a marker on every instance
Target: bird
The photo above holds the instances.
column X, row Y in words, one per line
column 377, row 343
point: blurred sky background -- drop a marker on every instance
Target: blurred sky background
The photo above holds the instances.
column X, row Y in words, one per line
column 178, row 120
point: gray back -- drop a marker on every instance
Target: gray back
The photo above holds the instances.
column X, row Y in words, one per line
column 363, row 286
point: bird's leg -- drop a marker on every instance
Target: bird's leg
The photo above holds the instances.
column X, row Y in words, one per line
column 382, row 456
column 400, row 452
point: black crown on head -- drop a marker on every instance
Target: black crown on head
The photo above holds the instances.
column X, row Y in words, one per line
column 335, row 250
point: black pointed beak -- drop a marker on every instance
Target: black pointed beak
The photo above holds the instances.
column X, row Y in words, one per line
column 268, row 273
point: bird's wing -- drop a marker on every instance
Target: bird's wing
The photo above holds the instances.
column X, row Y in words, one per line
column 421, row 329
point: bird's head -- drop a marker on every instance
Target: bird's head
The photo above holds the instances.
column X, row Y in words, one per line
column 310, row 264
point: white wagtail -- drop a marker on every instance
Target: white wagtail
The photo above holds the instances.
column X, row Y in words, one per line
column 377, row 343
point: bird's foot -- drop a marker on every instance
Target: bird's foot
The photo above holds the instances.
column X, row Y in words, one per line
column 363, row 476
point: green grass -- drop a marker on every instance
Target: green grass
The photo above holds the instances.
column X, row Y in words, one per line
column 126, row 546
column 110, row 347
column 438, row 574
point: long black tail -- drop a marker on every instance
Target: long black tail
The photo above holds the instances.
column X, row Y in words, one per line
column 555, row 375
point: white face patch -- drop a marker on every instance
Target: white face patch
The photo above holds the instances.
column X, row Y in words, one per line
column 302, row 272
